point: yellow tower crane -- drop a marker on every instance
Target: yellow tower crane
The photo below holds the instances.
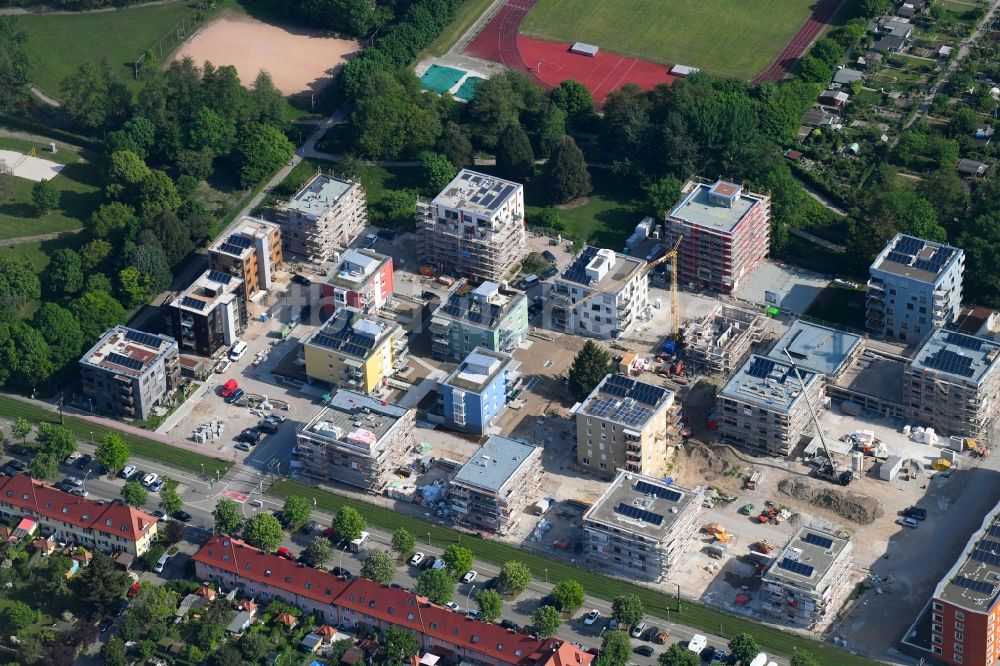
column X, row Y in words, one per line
column 675, row 309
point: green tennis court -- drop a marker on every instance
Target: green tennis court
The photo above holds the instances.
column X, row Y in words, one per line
column 468, row 89
column 441, row 79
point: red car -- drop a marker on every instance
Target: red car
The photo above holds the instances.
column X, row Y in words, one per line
column 285, row 553
column 228, row 388
column 134, row 590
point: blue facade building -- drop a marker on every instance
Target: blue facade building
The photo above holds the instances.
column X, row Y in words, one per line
column 475, row 394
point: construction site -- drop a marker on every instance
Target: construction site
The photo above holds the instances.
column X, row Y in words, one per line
column 720, row 342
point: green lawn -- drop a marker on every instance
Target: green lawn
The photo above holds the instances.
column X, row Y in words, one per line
column 662, row 605
column 57, row 44
column 725, row 37
column 78, row 185
column 466, row 15
column 143, row 447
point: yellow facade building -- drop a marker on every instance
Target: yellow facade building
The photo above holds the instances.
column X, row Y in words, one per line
column 355, row 351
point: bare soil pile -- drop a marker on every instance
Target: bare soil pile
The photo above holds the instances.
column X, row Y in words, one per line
column 855, row 507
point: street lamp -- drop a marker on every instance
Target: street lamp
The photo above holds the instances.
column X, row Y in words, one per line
column 203, row 469
column 468, row 597
column 428, row 538
column 546, row 575
column 92, row 438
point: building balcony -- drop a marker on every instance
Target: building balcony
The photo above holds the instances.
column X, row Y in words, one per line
column 633, row 468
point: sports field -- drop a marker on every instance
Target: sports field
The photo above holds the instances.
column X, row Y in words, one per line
column 724, row 37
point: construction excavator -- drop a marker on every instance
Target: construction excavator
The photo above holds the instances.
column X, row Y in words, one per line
column 671, row 256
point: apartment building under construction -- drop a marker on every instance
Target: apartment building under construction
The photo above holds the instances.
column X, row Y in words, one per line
column 953, row 384
column 491, row 491
column 721, row 341
column 474, row 228
column 326, row 215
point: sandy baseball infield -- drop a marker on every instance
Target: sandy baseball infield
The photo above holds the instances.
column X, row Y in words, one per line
column 298, row 60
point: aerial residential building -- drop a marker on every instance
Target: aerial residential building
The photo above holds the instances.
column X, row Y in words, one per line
column 616, row 289
column 475, row 394
column 639, row 526
column 355, row 439
column 355, row 350
column 726, row 232
column 628, row 424
column 326, row 215
column 129, row 372
column 721, row 341
column 489, row 316
column 826, row 350
column 763, row 407
column 210, row 314
column 362, row 280
column 474, row 228
column 364, row 607
column 491, row 490
column 106, row 526
column 953, row 384
column 805, row 583
column 249, row 249
column 915, row 287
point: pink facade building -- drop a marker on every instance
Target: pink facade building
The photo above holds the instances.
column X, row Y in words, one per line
column 362, row 280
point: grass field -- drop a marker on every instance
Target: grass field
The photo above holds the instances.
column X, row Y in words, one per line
column 143, row 447
column 57, row 44
column 724, row 37
column 658, row 603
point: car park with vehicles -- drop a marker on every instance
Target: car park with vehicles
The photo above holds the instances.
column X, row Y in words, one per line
column 592, row 617
column 72, row 458
column 84, row 460
column 149, row 479
column 155, row 486
column 182, row 516
column 234, row 397
column 470, row 576
column 416, row 559
column 644, row 650
column 128, row 472
column 637, row 630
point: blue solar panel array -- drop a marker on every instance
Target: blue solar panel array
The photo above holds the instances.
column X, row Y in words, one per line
column 964, row 341
column 796, row 567
column 948, row 361
column 639, row 514
column 576, row 272
column 623, row 387
column 817, row 540
column 472, row 310
column 647, row 488
column 760, row 367
column 124, row 361
column 986, row 556
column 141, row 338
column 240, row 241
column 194, row 303
column 220, row 277
column 906, row 252
column 980, row 586
column 344, row 339
column 909, row 245
column 994, row 530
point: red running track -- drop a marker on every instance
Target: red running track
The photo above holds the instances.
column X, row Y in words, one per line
column 550, row 63
column 800, row 42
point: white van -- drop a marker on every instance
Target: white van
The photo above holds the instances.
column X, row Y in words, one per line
column 697, row 643
column 759, row 660
column 237, row 351
column 358, row 544
column 160, row 563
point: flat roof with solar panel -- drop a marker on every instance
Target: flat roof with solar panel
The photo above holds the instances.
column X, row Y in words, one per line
column 479, row 370
column 916, row 258
column 127, row 351
column 352, row 333
column 768, row 383
column 211, row 289
column 807, row 558
column 618, row 270
column 625, row 401
column 642, row 504
column 239, row 239
column 477, row 193
column 973, row 582
column 319, row 195
column 956, row 356
column 485, row 307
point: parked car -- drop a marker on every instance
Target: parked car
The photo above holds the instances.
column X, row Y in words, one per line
column 638, row 629
column 592, row 617
column 720, row 657
column 549, row 257
column 182, row 516
column 270, row 427
column 470, row 576
column 915, row 512
column 306, row 560
column 233, row 397
column 222, row 365
column 416, row 559
column 18, row 450
column 644, row 650
column 548, row 272
column 127, row 472
column 228, row 388
column 340, row 571
column 276, row 417
column 121, row 608
column 285, row 553
column 453, row 606
column 105, row 624
column 650, row 633
column 79, row 492
column 72, row 458
column 132, row 591
column 243, row 446
column 427, row 563
column 908, row 522
column 438, row 564
column 661, row 637
column 509, row 624
column 301, row 279
column 73, row 480
column 16, row 465
column 155, row 486
column 84, row 460
column 149, row 479
column 250, row 436
column 160, row 516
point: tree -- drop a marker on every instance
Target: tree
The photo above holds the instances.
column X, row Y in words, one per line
column 678, row 655
column 126, row 171
column 156, row 194
column 170, row 499
column 455, row 145
column 803, row 658
column 379, row 567
column 662, row 195
column 22, row 428
column 546, row 621
column 436, row 585
column 568, row 595
column 61, row 331
column 25, row 357
column 490, row 604
column 151, row 261
column 14, row 76
column 212, row 132
column 133, row 287
column 743, row 648
column 85, row 632
column 320, row 551
column 260, row 151
column 628, row 609
column 194, row 163
column 134, row 494
column 44, row 466
column 588, row 369
column 113, row 652
column 295, row 512
column 56, row 440
column 19, row 282
column 65, row 272
column 348, row 524
column 573, row 98
column 110, row 220
column 566, row 176
column 96, row 311
column 514, row 578
column 403, row 543
column 228, row 519
column 963, row 121
column 263, row 531
column 20, row 616
column 174, row 531
column 112, row 452
column 551, row 127
column 436, row 171
column 267, row 103
column 515, row 159
column 458, row 559
column 400, row 645
column 153, row 603
column 44, row 197
column 616, row 648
